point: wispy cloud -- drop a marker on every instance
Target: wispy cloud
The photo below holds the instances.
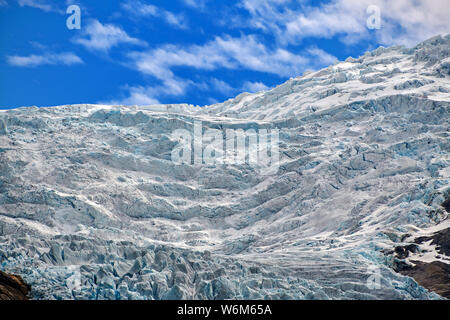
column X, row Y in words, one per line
column 3, row 3
column 65, row 58
column 322, row 57
column 242, row 53
column 254, row 86
column 141, row 10
column 198, row 4
column 44, row 5
column 403, row 21
column 146, row 95
column 135, row 96
column 102, row 37
column 222, row 87
column 245, row 52
column 228, row 90
column 267, row 15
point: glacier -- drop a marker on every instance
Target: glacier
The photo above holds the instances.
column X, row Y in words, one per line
column 92, row 207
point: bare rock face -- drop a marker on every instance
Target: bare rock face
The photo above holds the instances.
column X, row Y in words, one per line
column 13, row 287
column 441, row 239
column 434, row 276
column 446, row 204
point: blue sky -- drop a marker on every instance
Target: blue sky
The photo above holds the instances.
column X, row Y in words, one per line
column 189, row 51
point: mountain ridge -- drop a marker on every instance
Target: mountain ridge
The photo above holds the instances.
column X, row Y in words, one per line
column 92, row 202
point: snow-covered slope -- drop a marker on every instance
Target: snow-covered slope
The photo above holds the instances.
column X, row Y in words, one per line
column 92, row 206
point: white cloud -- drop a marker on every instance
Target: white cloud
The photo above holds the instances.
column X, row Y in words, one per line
column 147, row 95
column 43, row 5
column 418, row 19
column 195, row 3
column 3, row 3
column 136, row 96
column 66, row 58
column 211, row 101
column 267, row 15
column 102, row 37
column 403, row 21
column 254, row 86
column 325, row 22
column 139, row 9
column 322, row 57
column 245, row 52
column 176, row 20
column 200, row 5
column 222, row 87
column 226, row 89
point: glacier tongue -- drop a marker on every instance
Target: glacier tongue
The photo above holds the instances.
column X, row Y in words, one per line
column 93, row 207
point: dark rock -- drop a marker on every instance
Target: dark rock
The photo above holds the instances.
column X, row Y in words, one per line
column 441, row 239
column 434, row 276
column 402, row 252
column 401, row 266
column 13, row 287
column 446, row 204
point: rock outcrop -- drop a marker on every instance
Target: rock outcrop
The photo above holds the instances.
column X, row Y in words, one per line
column 435, row 276
column 427, row 260
column 13, row 287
